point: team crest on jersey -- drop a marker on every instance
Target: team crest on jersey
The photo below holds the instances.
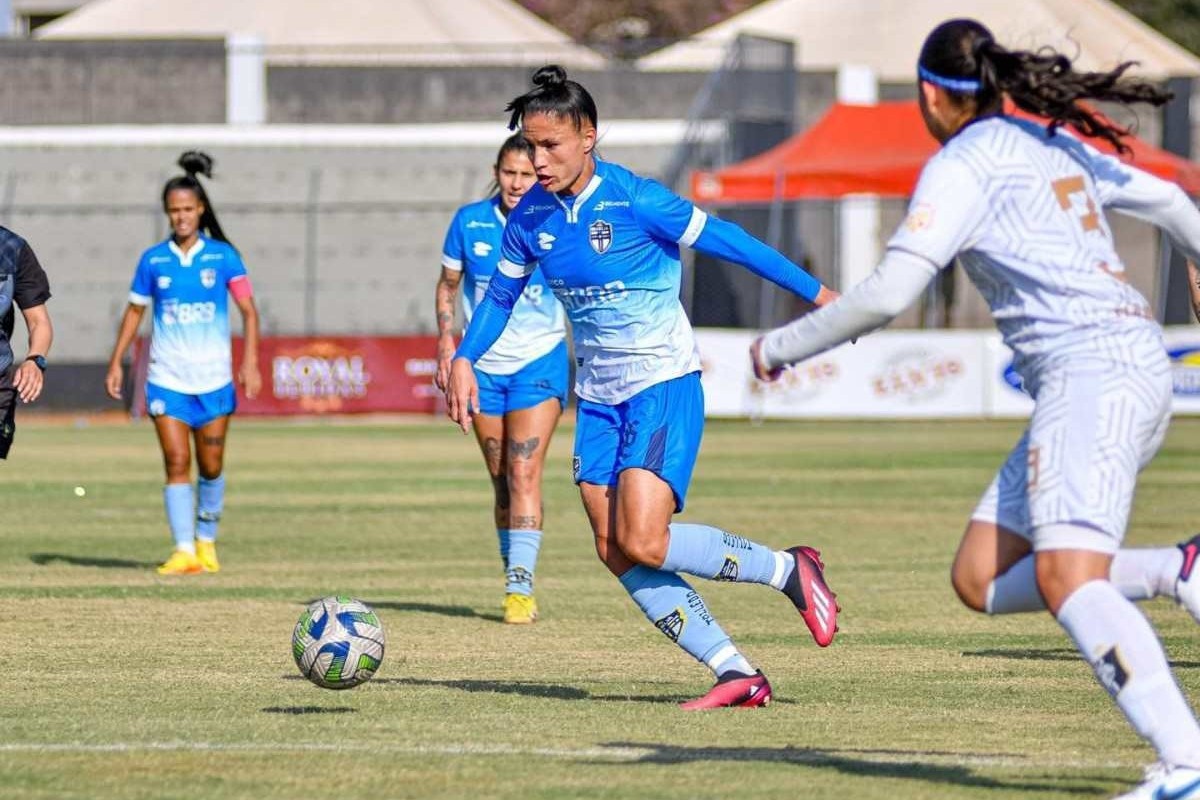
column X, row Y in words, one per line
column 600, row 236
column 729, row 570
column 164, row 281
column 919, row 218
column 208, row 278
column 672, row 624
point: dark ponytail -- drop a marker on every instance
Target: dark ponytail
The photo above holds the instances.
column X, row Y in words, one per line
column 194, row 163
column 962, row 57
column 554, row 94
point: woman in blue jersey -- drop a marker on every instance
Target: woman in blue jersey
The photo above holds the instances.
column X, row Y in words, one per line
column 1021, row 206
column 189, row 390
column 607, row 243
column 522, row 379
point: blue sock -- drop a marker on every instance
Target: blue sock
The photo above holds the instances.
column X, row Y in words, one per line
column 709, row 552
column 181, row 515
column 502, row 535
column 680, row 613
column 210, row 494
column 523, row 546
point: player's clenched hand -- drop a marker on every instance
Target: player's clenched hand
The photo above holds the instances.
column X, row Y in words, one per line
column 445, row 355
column 462, row 393
column 761, row 371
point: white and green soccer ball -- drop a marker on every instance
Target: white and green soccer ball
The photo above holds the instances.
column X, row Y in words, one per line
column 338, row 642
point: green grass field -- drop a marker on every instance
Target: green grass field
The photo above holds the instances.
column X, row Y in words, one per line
column 117, row 683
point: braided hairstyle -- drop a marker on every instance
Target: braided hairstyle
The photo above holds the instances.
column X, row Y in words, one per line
column 556, row 95
column 194, row 163
column 962, row 57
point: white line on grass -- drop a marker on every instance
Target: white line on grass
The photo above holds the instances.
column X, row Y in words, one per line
column 615, row 753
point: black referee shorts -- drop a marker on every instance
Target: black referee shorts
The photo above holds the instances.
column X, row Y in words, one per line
column 8, row 412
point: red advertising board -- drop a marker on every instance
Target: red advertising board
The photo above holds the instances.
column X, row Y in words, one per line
column 333, row 375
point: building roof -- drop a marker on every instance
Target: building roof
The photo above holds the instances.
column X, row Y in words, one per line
column 349, row 31
column 886, row 35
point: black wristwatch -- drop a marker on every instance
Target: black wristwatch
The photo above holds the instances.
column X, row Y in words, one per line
column 39, row 361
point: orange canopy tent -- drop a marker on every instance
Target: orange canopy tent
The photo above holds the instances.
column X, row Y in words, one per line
column 877, row 149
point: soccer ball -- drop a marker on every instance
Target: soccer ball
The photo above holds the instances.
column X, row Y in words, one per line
column 338, row 642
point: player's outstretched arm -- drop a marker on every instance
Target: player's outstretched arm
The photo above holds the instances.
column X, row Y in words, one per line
column 729, row 242
column 892, row 287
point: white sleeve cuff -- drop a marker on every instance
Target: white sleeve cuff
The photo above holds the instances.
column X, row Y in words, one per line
column 138, row 299
column 514, row 270
column 453, row 264
column 694, row 228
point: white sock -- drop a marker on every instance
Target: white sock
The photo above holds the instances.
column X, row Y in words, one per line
column 1114, row 637
column 1016, row 590
column 1146, row 572
column 1138, row 574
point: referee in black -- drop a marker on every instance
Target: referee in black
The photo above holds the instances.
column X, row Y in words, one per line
column 23, row 284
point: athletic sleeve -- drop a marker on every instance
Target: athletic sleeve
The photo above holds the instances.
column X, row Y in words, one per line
column 668, row 217
column 491, row 315
column 142, row 290
column 31, row 286
column 452, row 247
column 236, row 278
column 517, row 258
column 1139, row 194
column 944, row 214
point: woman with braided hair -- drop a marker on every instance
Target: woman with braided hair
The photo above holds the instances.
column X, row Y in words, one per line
column 190, row 395
column 1021, row 205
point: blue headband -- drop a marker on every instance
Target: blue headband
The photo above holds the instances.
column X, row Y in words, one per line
column 953, row 84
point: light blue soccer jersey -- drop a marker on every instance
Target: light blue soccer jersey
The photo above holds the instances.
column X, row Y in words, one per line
column 473, row 247
column 189, row 350
column 611, row 256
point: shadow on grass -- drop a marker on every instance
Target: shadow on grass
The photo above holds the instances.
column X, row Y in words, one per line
column 535, row 689
column 298, row 710
column 1051, row 654
column 912, row 764
column 42, row 559
column 430, row 608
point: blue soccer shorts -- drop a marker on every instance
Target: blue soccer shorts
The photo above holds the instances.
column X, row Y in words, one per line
column 534, row 383
column 658, row 429
column 194, row 410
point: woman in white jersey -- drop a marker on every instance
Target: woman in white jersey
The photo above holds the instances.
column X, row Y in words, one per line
column 1021, row 206
column 522, row 379
column 189, row 391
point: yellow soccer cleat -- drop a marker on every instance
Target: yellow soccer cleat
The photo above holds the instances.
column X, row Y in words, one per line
column 206, row 554
column 181, row 562
column 520, row 609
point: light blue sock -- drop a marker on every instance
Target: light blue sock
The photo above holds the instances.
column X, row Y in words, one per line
column 181, row 515
column 708, row 552
column 680, row 613
column 502, row 535
column 523, row 546
column 210, row 495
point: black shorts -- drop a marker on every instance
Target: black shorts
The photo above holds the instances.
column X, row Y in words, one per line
column 8, row 411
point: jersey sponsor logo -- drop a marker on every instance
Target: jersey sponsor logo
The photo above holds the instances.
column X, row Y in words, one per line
column 536, row 209
column 208, row 277
column 919, row 218
column 1185, row 370
column 672, row 624
column 600, row 236
column 160, row 259
column 603, row 204
column 177, row 313
column 481, row 249
column 584, row 296
column 477, row 224
column 545, row 240
column 211, row 257
column 164, row 281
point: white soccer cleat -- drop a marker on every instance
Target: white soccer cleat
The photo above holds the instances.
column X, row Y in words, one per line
column 1162, row 782
column 1187, row 583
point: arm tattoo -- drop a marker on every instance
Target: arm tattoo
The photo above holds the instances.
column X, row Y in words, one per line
column 525, row 449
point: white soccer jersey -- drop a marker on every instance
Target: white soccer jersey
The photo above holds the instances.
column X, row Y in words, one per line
column 1023, row 212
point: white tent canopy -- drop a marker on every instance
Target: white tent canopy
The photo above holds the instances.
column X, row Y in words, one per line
column 886, row 35
column 348, row 31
